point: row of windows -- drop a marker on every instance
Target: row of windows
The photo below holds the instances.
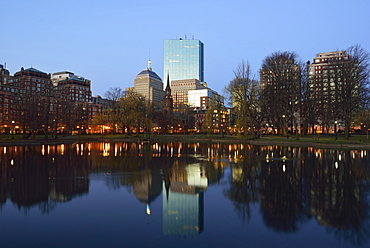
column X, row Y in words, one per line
column 332, row 84
column 325, row 60
column 37, row 80
column 78, row 88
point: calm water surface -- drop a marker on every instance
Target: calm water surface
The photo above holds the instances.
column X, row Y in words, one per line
column 183, row 195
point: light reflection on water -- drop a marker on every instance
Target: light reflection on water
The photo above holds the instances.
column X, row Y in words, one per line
column 195, row 190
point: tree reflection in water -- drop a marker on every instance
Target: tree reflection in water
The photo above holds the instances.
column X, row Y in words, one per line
column 243, row 188
column 289, row 185
column 339, row 186
column 295, row 184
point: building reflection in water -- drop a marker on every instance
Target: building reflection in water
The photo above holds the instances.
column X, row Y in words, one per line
column 183, row 204
column 147, row 186
column 42, row 176
column 290, row 185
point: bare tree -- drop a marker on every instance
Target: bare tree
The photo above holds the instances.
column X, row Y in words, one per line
column 185, row 117
column 281, row 89
column 31, row 114
column 114, row 94
column 243, row 93
column 354, row 83
column 114, row 113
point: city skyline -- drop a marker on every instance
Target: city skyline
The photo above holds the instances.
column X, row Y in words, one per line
column 106, row 42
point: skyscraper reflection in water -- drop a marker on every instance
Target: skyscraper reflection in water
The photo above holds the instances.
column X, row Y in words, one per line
column 183, row 204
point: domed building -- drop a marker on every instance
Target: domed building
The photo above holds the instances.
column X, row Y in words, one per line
column 150, row 85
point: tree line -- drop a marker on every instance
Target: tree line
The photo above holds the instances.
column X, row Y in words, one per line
column 48, row 113
column 286, row 98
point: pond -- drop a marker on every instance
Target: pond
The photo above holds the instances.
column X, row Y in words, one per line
column 183, row 195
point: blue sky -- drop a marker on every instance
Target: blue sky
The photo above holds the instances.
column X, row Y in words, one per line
column 110, row 41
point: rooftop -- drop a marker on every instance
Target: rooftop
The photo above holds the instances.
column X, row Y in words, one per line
column 149, row 73
column 76, row 78
column 63, row 72
column 31, row 69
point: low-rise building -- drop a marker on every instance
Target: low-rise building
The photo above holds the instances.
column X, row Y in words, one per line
column 180, row 90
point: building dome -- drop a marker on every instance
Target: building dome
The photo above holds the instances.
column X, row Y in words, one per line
column 149, row 73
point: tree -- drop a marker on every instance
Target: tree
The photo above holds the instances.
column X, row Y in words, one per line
column 186, row 117
column 114, row 95
column 243, row 93
column 135, row 112
column 353, row 84
column 281, row 89
column 30, row 116
column 362, row 118
column 100, row 121
column 207, row 126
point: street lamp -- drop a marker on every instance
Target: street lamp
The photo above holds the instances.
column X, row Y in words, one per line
column 13, row 129
column 335, row 129
column 284, row 124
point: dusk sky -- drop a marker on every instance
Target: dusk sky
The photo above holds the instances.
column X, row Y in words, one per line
column 110, row 41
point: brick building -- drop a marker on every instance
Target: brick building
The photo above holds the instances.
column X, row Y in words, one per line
column 325, row 75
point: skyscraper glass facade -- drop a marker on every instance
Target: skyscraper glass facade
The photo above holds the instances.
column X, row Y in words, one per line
column 183, row 59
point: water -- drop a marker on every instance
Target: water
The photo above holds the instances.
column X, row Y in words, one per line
column 183, row 195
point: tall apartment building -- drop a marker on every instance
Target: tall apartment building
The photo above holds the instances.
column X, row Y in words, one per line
column 32, row 81
column 75, row 88
column 32, row 98
column 150, row 85
column 5, row 97
column 184, row 59
column 75, row 98
column 325, row 74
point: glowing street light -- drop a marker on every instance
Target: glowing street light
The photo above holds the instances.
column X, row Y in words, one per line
column 13, row 129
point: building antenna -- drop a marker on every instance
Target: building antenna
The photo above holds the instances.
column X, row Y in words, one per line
column 149, row 65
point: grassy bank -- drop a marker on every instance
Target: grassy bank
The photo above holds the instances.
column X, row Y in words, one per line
column 309, row 140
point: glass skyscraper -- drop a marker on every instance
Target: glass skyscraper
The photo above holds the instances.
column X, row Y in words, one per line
column 183, row 59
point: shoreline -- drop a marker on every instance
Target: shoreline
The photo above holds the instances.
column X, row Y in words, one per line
column 264, row 141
